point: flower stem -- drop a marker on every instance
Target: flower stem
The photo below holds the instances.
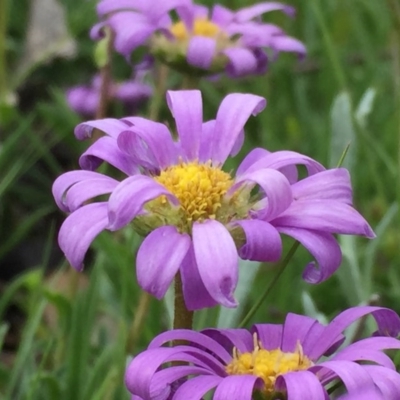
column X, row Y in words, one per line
column 140, row 315
column 3, row 33
column 281, row 268
column 183, row 318
column 158, row 96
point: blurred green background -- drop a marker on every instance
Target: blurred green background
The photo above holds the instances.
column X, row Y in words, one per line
column 66, row 335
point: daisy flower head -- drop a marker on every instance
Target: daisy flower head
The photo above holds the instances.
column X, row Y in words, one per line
column 294, row 361
column 202, row 41
column 197, row 218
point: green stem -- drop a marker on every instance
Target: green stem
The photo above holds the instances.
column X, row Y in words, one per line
column 281, row 268
column 160, row 87
column 140, row 316
column 183, row 318
column 3, row 33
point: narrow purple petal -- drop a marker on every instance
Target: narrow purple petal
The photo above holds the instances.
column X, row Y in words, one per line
column 326, row 216
column 232, row 115
column 263, row 242
column 131, row 30
column 79, row 230
column 159, row 258
column 207, row 133
column 221, row 15
column 386, row 380
column 110, row 126
column 195, row 293
column 217, row 260
column 129, row 197
column 270, row 335
column 195, row 388
column 107, row 6
column 242, row 61
column 289, row 44
column 106, row 149
column 241, row 339
column 323, row 247
column 332, row 184
column 353, row 376
column 237, row 387
column 295, row 330
column 193, row 337
column 201, row 51
column 301, row 385
column 278, row 193
column 251, row 12
column 187, row 109
column 65, row 181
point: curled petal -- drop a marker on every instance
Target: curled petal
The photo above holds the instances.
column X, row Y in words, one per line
column 106, row 149
column 200, row 52
column 242, row 61
column 195, row 388
column 276, row 188
column 300, row 385
column 325, row 216
column 263, row 242
column 324, row 248
column 240, row 339
column 232, row 115
column 159, row 258
column 386, row 380
column 287, row 43
column 217, row 260
column 245, row 14
column 110, row 126
column 129, row 197
column 187, row 109
column 237, row 387
column 79, row 230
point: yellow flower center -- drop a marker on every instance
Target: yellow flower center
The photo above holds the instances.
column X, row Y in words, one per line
column 198, row 187
column 201, row 27
column 267, row 364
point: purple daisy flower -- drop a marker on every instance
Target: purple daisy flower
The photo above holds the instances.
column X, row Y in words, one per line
column 85, row 99
column 197, row 218
column 293, row 361
column 203, row 41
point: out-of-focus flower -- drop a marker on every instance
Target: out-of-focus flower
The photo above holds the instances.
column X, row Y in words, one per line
column 202, row 41
column 196, row 217
column 85, row 99
column 293, row 361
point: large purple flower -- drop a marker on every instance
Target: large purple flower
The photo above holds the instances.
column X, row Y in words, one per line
column 203, row 41
column 196, row 217
column 293, row 361
column 85, row 99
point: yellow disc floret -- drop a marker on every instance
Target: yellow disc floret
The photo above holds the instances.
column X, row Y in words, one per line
column 267, row 364
column 201, row 27
column 198, row 187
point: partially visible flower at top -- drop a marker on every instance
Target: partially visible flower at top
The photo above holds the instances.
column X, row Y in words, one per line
column 85, row 99
column 197, row 218
column 202, row 41
column 293, row 361
column 362, row 394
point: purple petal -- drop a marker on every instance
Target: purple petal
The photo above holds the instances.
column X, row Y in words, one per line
column 107, row 6
column 237, row 387
column 194, row 292
column 280, row 159
column 295, row 330
column 201, row 51
column 83, row 100
column 207, row 133
column 195, row 388
column 270, row 335
column 386, row 380
column 156, row 136
column 159, row 258
column 65, row 181
column 300, row 385
column 232, row 115
column 387, row 320
column 245, row 14
column 351, row 374
column 288, row 44
column 129, row 197
column 110, row 126
column 106, row 149
column 263, row 242
column 242, row 61
column 276, row 188
column 326, row 216
column 221, row 15
column 193, row 337
column 217, row 260
column 97, row 32
column 241, row 339
column 131, row 30
column 187, row 109
column 79, row 230
column 333, row 184
column 323, row 247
